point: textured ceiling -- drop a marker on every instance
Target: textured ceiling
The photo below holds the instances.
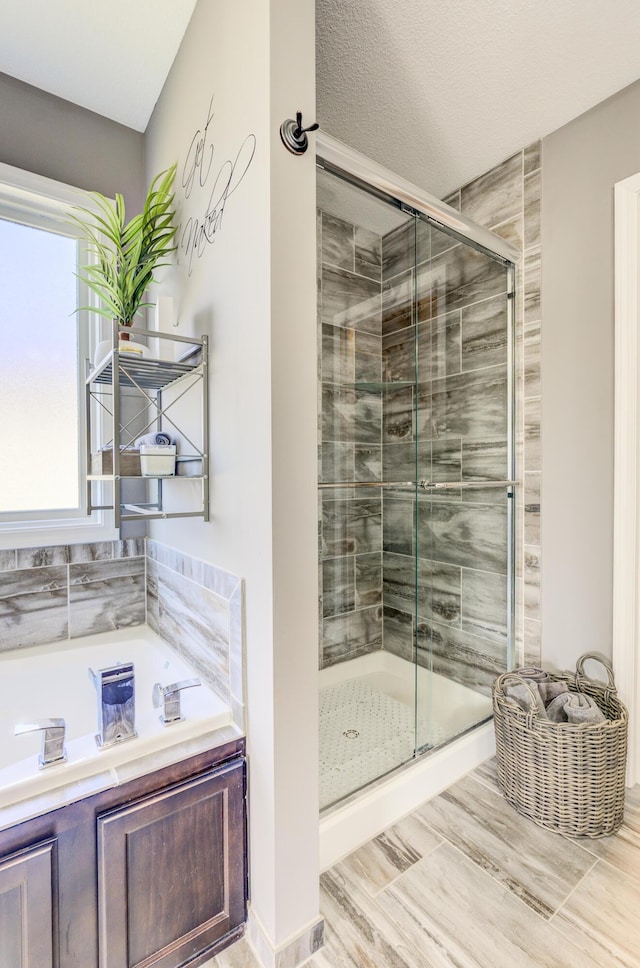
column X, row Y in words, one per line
column 437, row 91
column 442, row 91
column 111, row 56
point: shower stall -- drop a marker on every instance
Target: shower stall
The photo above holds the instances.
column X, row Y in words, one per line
column 417, row 487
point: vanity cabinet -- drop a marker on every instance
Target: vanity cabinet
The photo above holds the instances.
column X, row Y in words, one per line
column 151, row 874
column 26, row 908
column 178, row 854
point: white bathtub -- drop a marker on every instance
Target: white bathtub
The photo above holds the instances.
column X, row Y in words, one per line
column 53, row 682
column 455, row 708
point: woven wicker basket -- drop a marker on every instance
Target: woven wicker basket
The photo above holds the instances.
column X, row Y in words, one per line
column 568, row 778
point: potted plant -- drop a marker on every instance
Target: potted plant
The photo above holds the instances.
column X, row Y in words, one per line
column 127, row 253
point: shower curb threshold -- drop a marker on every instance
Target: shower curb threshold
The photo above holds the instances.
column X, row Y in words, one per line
column 383, row 803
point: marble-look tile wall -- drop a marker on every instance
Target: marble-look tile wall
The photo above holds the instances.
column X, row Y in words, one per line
column 350, row 445
column 507, row 200
column 67, row 591
column 198, row 609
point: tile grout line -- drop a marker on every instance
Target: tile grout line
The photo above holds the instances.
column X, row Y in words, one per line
column 576, row 886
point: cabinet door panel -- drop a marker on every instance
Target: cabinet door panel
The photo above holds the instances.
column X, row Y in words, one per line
column 167, row 888
column 26, row 908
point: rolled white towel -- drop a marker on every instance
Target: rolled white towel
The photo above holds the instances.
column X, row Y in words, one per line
column 158, row 439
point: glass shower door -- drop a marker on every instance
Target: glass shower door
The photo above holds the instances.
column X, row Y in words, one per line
column 366, row 350
column 464, row 506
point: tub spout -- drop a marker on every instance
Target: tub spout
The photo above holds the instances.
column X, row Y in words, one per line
column 116, row 703
column 53, row 750
column 168, row 697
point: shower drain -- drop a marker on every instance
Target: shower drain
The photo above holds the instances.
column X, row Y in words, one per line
column 351, row 733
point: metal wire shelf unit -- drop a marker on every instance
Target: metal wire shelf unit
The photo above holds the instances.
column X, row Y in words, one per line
column 154, row 385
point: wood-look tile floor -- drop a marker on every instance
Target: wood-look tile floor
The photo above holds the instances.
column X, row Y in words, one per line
column 466, row 882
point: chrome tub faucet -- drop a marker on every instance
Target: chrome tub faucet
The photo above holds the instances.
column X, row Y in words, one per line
column 53, row 749
column 168, row 697
column 115, row 687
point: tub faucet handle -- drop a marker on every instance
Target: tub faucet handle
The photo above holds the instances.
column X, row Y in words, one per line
column 168, row 697
column 53, row 749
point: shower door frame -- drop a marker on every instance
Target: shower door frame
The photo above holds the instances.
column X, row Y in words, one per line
column 349, row 164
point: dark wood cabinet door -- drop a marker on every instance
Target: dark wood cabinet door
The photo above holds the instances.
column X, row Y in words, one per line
column 171, row 872
column 26, row 908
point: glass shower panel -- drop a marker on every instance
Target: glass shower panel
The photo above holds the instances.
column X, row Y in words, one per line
column 465, row 459
column 366, row 351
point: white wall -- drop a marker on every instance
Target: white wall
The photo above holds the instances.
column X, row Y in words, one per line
column 253, row 292
column 581, row 163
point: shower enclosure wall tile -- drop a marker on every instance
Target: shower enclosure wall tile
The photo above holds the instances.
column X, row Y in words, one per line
column 351, row 526
column 470, row 537
column 398, row 633
column 398, row 355
column 399, row 581
column 484, row 460
column 531, row 581
column 439, row 590
column 106, row 596
column 471, row 404
column 349, row 355
column 484, row 334
column 495, row 196
column 484, row 605
column 399, row 461
column 511, row 231
column 397, row 300
column 398, row 524
column 338, row 351
column 350, row 301
column 532, row 509
column 441, row 355
column 533, row 639
column 348, row 636
column 337, row 242
column 532, row 157
column 397, row 415
column 459, row 655
column 455, row 279
column 532, row 453
column 398, row 250
column 367, row 463
column 453, row 200
column 350, row 414
column 338, row 586
column 337, row 461
column 368, row 569
column 368, row 253
column 532, row 198
column 532, row 269
column 446, row 460
column 532, row 379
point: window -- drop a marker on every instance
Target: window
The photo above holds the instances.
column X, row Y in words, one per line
column 44, row 345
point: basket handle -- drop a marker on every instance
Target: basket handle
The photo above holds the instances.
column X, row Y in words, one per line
column 604, row 662
column 532, row 713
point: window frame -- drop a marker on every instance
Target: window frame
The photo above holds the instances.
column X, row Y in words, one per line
column 41, row 202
